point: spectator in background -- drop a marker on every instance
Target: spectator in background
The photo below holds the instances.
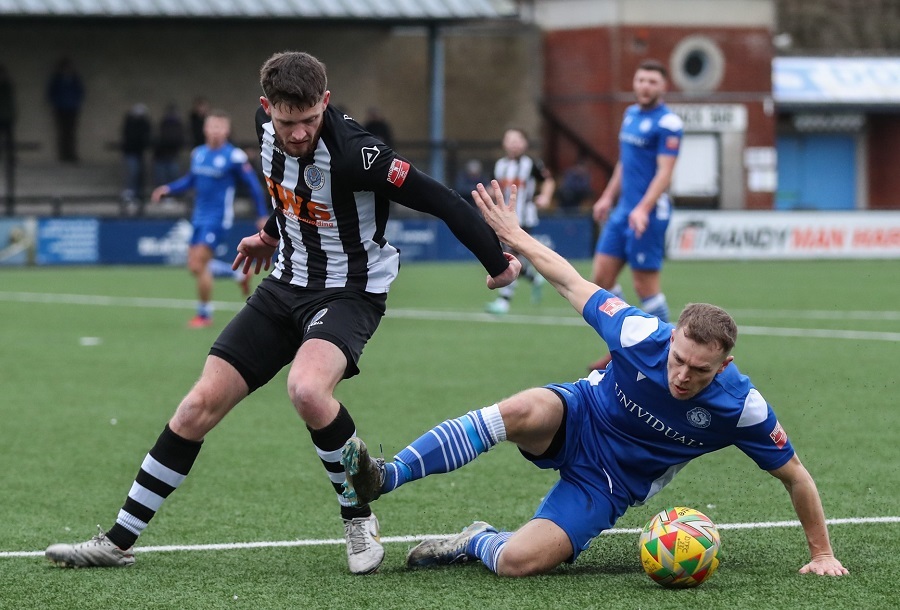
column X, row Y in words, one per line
column 471, row 175
column 167, row 146
column 575, row 187
column 65, row 92
column 7, row 117
column 378, row 126
column 136, row 134
column 197, row 116
column 535, row 186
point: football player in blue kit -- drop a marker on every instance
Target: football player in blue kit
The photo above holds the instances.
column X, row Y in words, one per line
column 216, row 168
column 635, row 205
column 671, row 394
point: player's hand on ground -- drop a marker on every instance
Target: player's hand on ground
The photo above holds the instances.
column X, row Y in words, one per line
column 253, row 251
column 638, row 220
column 825, row 566
column 508, row 276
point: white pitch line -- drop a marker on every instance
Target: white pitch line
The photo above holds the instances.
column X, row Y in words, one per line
column 456, row 316
column 230, row 546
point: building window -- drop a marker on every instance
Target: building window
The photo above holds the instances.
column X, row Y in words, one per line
column 697, row 65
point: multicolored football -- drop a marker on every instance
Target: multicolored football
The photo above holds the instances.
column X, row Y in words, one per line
column 679, row 547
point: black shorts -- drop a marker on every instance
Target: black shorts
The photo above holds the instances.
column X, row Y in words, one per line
column 265, row 335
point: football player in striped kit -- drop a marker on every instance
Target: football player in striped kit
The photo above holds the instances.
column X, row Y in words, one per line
column 535, row 185
column 331, row 184
column 635, row 205
column 617, row 437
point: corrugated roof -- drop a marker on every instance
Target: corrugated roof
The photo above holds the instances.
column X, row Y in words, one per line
column 388, row 10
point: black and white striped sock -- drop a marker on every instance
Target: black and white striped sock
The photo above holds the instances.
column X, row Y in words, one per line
column 329, row 441
column 162, row 471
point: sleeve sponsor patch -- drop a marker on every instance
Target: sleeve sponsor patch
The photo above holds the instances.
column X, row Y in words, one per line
column 778, row 436
column 613, row 305
column 397, row 172
column 672, row 142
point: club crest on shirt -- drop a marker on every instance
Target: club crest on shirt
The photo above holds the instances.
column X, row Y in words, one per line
column 313, row 177
column 369, row 154
column 699, row 417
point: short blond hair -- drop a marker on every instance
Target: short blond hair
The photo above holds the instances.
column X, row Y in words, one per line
column 707, row 324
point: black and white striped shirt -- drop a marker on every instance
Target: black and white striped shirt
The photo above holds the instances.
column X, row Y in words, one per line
column 527, row 174
column 332, row 207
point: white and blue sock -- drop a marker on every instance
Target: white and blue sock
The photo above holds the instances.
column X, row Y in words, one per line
column 446, row 447
column 205, row 310
column 221, row 269
column 656, row 306
column 487, row 547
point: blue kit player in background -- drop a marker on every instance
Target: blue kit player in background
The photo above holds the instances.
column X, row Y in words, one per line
column 672, row 393
column 635, row 228
column 216, row 168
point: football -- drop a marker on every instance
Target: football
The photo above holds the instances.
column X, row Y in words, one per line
column 679, row 547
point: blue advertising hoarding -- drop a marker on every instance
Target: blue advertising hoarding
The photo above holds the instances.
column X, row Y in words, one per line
column 89, row 241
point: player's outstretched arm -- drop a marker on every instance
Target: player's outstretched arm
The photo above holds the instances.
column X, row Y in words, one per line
column 805, row 498
column 501, row 216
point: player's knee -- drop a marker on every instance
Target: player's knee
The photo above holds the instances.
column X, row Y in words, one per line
column 517, row 563
column 197, row 414
column 308, row 397
column 196, row 265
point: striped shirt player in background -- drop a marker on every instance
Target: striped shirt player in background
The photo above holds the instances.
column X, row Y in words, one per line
column 216, row 168
column 331, row 185
column 671, row 394
column 635, row 229
column 536, row 186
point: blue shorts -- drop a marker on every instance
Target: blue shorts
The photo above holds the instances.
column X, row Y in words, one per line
column 585, row 501
column 208, row 235
column 645, row 253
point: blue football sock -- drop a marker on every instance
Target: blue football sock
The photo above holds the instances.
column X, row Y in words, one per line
column 446, row 447
column 204, row 310
column 656, row 306
column 487, row 547
column 220, row 268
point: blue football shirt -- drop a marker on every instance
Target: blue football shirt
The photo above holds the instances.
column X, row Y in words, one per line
column 213, row 176
column 644, row 436
column 644, row 135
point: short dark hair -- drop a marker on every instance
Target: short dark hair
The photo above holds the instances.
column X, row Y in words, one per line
column 294, row 79
column 654, row 65
column 707, row 324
